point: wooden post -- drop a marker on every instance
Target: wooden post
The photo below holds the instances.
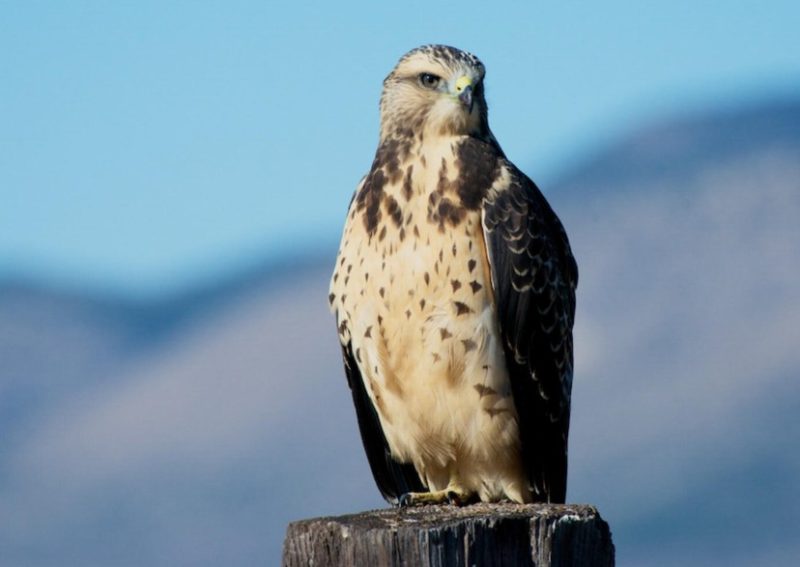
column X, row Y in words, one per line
column 481, row 535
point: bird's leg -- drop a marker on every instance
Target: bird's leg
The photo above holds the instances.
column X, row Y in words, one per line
column 453, row 494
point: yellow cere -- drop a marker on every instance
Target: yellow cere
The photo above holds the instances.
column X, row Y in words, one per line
column 462, row 83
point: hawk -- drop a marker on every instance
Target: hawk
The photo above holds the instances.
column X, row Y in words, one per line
column 454, row 294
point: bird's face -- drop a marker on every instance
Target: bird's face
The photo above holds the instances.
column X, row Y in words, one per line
column 434, row 90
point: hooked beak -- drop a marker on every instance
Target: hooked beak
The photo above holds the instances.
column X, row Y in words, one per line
column 465, row 96
column 464, row 92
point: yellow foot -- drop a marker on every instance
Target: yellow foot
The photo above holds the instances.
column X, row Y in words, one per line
column 450, row 495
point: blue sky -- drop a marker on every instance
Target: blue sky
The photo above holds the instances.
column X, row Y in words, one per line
column 144, row 145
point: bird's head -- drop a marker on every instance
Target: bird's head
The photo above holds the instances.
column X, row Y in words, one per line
column 434, row 90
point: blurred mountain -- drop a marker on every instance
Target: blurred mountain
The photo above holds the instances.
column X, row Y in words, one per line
column 686, row 390
column 54, row 343
column 189, row 430
column 673, row 151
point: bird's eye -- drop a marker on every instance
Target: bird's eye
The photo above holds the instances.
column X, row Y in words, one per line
column 429, row 80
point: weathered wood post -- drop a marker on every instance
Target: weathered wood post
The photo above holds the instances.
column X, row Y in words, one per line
column 481, row 535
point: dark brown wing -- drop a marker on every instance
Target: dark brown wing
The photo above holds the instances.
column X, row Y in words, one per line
column 534, row 277
column 393, row 478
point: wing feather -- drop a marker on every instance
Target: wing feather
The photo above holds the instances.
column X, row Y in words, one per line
column 534, row 277
column 392, row 477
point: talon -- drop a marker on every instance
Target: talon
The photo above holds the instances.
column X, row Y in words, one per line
column 454, row 498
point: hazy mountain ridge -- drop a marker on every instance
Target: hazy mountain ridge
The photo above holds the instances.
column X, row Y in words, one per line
column 238, row 418
column 150, row 317
column 85, row 337
column 698, row 299
column 675, row 149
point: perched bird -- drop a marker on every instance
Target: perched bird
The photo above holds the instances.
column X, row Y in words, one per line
column 454, row 294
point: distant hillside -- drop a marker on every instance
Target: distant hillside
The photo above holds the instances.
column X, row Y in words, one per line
column 58, row 344
column 686, row 236
column 190, row 429
column 672, row 151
